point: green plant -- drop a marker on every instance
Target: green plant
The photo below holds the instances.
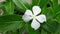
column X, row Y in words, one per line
column 11, row 21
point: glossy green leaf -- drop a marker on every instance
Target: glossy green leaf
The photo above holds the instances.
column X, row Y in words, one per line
column 9, row 7
column 44, row 32
column 7, row 18
column 20, row 4
column 58, row 17
column 6, row 26
column 56, row 10
column 55, row 3
column 50, row 26
column 28, row 4
column 55, row 6
column 10, row 22
column 58, row 30
column 43, row 3
column 48, row 12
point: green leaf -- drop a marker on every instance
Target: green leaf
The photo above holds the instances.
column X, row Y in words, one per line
column 48, row 12
column 57, row 13
column 56, row 10
column 21, row 5
column 31, row 30
column 28, row 4
column 55, row 3
column 9, row 7
column 58, row 30
column 10, row 22
column 55, row 6
column 58, row 17
column 35, row 2
column 43, row 3
column 50, row 26
column 44, row 32
column 8, row 18
column 22, row 30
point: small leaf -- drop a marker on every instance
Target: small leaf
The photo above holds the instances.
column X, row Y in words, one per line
column 50, row 26
column 55, row 6
column 58, row 30
column 44, row 32
column 43, row 3
column 58, row 17
column 9, row 7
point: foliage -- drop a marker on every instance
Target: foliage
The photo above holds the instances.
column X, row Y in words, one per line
column 11, row 21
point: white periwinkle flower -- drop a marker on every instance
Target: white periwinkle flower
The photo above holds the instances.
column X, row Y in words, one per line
column 36, row 19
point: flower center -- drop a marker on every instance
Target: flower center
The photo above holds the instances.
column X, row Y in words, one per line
column 33, row 16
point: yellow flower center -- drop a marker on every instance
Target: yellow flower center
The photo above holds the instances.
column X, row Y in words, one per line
column 33, row 16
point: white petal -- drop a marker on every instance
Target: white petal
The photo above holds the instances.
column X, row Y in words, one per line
column 41, row 18
column 26, row 18
column 35, row 24
column 28, row 12
column 36, row 10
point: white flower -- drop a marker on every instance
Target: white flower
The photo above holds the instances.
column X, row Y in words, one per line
column 36, row 19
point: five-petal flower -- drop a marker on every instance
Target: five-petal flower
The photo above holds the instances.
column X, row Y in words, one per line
column 36, row 19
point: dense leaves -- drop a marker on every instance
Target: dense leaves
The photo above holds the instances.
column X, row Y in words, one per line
column 28, row 4
column 10, row 23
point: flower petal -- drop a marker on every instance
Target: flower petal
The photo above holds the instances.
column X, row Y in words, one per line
column 26, row 18
column 35, row 24
column 28, row 12
column 41, row 18
column 36, row 10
